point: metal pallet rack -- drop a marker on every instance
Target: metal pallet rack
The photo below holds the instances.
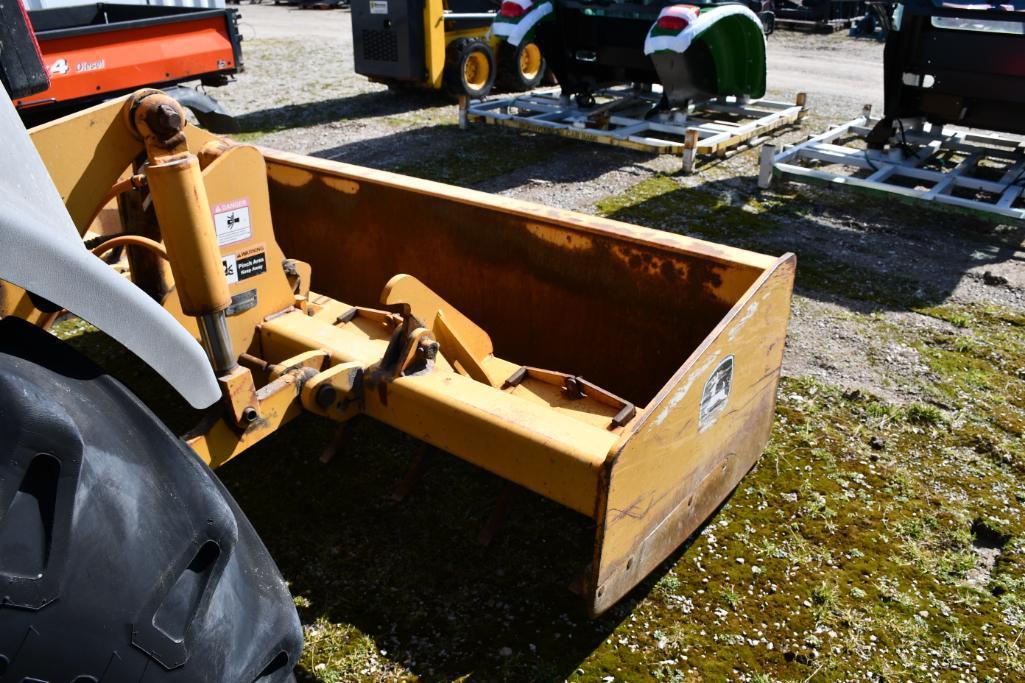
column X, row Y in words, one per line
column 977, row 171
column 620, row 116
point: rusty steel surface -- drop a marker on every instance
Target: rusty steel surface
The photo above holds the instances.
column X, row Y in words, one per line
column 642, row 314
column 616, row 304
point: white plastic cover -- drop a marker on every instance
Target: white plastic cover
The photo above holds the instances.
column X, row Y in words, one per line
column 696, row 26
column 41, row 251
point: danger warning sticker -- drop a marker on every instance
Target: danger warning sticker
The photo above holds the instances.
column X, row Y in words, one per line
column 244, row 264
column 231, row 220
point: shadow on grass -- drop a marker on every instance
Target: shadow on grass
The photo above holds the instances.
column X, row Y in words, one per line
column 491, row 157
column 362, row 106
column 411, row 577
column 868, row 253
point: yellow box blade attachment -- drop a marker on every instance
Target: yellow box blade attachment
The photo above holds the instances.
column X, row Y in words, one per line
column 626, row 373
column 689, row 332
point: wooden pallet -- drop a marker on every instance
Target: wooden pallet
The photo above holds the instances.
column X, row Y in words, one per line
column 618, row 117
column 966, row 170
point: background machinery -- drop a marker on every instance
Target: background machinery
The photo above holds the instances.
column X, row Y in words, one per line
column 952, row 63
column 93, row 52
column 682, row 79
column 952, row 128
column 224, row 276
column 694, row 51
column 440, row 44
column 819, row 15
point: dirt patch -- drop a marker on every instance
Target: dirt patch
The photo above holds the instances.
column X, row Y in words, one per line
column 826, row 342
column 987, row 543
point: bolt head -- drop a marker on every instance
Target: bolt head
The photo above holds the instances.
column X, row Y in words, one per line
column 326, row 396
column 165, row 120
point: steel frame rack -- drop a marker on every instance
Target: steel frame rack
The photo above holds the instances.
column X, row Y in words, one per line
column 618, row 117
column 938, row 165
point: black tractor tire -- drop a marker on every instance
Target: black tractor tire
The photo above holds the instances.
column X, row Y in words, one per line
column 122, row 556
column 520, row 67
column 469, row 68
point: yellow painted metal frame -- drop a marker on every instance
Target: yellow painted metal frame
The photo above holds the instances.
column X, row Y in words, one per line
column 664, row 474
column 437, row 38
column 434, row 41
column 492, row 285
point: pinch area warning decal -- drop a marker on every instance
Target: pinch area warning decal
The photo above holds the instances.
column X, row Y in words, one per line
column 232, row 223
column 245, row 264
column 716, row 393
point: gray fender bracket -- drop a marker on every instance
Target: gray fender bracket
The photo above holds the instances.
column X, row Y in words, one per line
column 209, row 112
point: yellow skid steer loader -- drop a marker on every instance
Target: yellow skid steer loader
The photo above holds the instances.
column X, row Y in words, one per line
column 626, row 373
column 442, row 45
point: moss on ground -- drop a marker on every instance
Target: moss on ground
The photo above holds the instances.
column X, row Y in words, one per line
column 858, row 544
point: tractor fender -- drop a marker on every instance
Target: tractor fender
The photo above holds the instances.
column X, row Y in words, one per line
column 41, row 251
column 735, row 40
column 514, row 31
column 659, row 40
column 209, row 112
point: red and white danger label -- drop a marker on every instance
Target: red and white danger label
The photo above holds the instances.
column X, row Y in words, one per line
column 231, row 220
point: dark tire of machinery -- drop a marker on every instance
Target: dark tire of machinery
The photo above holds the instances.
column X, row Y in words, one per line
column 883, row 14
column 511, row 62
column 122, row 556
column 463, row 63
column 584, row 100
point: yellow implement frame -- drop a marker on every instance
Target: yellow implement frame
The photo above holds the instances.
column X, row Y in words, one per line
column 625, row 373
column 439, row 33
column 435, row 41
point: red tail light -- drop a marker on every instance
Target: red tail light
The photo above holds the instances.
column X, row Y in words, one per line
column 511, row 10
column 670, row 22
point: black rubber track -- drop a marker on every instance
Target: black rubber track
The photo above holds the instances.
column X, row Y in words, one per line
column 122, row 557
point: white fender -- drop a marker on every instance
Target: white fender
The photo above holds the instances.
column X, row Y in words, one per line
column 41, row 251
column 681, row 41
column 514, row 33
